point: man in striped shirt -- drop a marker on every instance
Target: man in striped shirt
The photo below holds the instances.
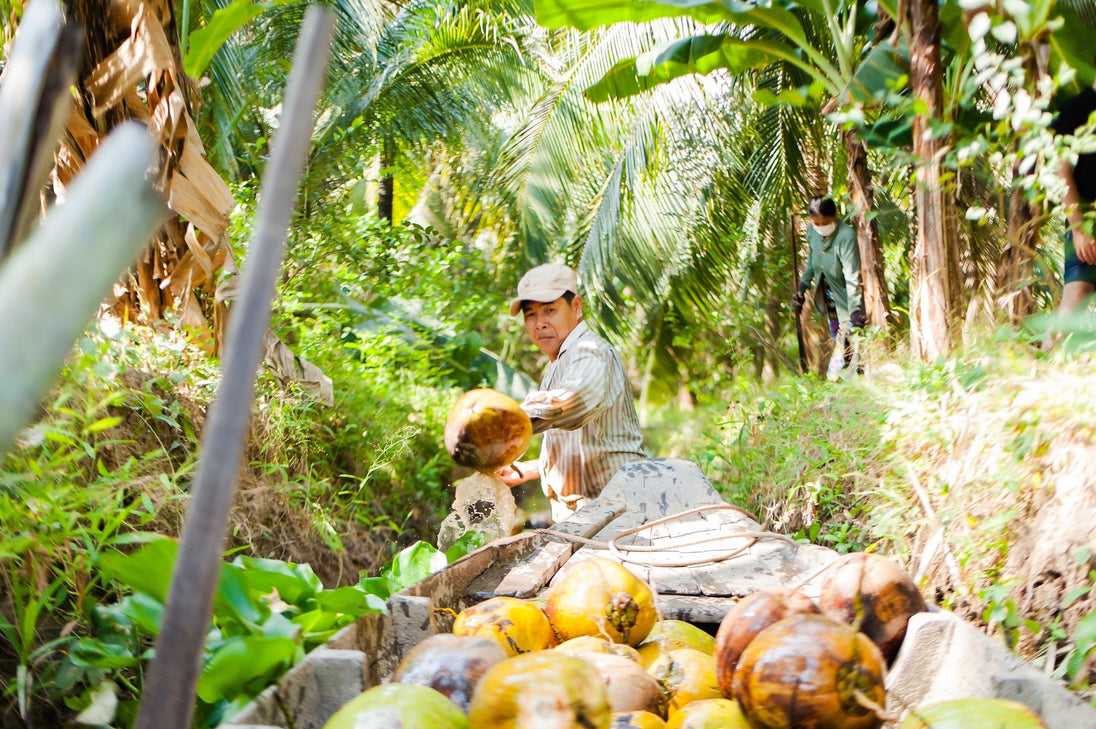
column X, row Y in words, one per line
column 584, row 406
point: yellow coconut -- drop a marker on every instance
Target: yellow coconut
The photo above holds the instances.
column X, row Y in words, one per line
column 590, row 644
column 545, row 689
column 687, row 675
column 516, row 625
column 709, row 714
column 399, row 705
column 637, row 720
column 599, row 597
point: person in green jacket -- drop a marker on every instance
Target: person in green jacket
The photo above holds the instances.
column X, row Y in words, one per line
column 833, row 254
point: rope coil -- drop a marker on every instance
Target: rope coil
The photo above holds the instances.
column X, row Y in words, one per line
column 619, row 550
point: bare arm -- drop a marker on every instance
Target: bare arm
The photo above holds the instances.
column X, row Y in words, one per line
column 1082, row 241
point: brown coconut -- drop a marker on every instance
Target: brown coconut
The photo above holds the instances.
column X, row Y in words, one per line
column 630, row 687
column 746, row 619
column 811, row 672
column 487, row 430
column 874, row 594
column 450, row 664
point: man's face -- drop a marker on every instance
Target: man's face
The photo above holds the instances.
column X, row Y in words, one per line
column 549, row 323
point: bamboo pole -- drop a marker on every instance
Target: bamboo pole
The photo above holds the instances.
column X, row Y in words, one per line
column 169, row 693
column 50, row 287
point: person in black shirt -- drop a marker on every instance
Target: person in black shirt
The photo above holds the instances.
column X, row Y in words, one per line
column 1080, row 180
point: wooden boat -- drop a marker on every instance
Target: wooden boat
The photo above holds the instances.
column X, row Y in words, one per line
column 665, row 522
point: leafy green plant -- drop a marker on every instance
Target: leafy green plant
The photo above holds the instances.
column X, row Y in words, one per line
column 1084, row 643
column 70, row 489
column 1001, row 614
column 267, row 615
column 798, row 449
column 22, row 635
column 1073, row 669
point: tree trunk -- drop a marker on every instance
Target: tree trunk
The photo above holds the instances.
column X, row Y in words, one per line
column 801, row 347
column 1015, row 267
column 935, row 287
column 872, row 273
column 387, row 191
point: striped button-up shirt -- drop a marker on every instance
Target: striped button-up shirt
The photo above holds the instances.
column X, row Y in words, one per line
column 588, row 417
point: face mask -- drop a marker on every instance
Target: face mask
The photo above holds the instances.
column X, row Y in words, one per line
column 824, row 230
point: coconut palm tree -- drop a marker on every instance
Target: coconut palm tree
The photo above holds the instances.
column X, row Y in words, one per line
column 757, row 37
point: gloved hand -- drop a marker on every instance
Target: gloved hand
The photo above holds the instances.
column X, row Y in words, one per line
column 798, row 298
column 857, row 319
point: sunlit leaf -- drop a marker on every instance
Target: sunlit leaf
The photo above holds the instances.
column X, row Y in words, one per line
column 700, row 54
column 240, row 662
column 295, row 583
column 467, row 543
column 415, row 563
column 350, row 599
column 204, row 42
column 146, row 570
column 590, row 14
column 380, row 587
column 103, row 424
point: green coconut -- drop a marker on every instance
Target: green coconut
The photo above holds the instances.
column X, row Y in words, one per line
column 398, row 706
column 973, row 713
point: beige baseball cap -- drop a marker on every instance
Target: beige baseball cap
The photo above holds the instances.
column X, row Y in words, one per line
column 544, row 283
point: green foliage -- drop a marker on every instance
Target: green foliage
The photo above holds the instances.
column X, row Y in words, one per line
column 72, row 493
column 957, row 450
column 1074, row 668
column 69, row 490
column 267, row 614
column 1001, row 614
column 799, row 449
column 201, row 44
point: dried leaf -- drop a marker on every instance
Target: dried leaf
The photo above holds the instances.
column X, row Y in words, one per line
column 189, row 201
column 167, row 118
column 289, row 367
column 145, row 51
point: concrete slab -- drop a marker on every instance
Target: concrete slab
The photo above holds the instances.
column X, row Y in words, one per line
column 944, row 657
column 311, row 692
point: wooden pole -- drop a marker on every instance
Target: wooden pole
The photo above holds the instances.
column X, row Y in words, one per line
column 795, row 290
column 169, row 694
